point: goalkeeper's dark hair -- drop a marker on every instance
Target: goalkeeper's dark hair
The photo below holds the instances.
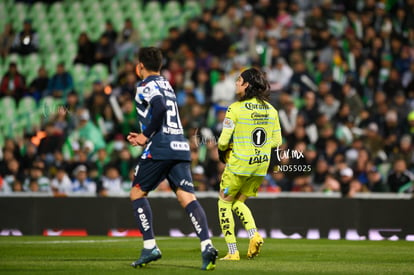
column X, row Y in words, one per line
column 151, row 57
column 258, row 85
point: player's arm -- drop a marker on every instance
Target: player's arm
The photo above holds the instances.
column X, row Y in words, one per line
column 226, row 134
column 158, row 111
column 158, row 108
column 276, row 133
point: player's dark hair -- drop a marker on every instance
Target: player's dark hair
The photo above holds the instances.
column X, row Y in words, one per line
column 258, row 85
column 151, row 57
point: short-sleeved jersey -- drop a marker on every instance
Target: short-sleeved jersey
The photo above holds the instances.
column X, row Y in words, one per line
column 169, row 141
column 254, row 129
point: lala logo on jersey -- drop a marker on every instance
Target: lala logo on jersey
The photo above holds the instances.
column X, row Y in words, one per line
column 258, row 159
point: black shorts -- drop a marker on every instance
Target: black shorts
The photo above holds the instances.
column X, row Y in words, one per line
column 149, row 173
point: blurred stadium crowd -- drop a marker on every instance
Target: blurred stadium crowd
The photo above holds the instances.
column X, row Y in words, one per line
column 341, row 75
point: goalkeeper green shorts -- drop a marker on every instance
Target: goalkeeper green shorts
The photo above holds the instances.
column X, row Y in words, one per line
column 232, row 184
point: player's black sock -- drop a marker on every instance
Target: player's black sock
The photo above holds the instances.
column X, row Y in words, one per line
column 143, row 216
column 198, row 218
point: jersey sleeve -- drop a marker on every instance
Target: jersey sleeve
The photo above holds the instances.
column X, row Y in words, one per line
column 147, row 93
column 158, row 110
column 276, row 133
column 228, row 128
column 144, row 97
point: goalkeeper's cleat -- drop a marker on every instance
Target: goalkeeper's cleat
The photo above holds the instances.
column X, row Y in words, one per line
column 255, row 244
column 231, row 257
column 147, row 255
column 209, row 256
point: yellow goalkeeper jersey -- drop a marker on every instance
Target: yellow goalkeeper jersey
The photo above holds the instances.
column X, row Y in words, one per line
column 252, row 129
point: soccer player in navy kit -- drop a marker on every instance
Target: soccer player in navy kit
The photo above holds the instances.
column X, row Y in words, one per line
column 166, row 156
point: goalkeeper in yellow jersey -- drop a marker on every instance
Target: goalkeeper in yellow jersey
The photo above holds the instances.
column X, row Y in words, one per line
column 250, row 130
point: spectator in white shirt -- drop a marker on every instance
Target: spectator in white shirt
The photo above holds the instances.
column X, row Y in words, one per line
column 111, row 182
column 61, row 184
column 82, row 184
column 223, row 90
column 279, row 74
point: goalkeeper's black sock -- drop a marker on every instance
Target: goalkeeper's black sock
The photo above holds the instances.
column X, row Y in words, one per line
column 198, row 219
column 143, row 217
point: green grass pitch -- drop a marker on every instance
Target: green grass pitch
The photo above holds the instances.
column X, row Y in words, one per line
column 111, row 255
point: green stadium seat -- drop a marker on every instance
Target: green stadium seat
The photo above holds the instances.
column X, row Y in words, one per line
column 209, row 3
column 178, row 21
column 57, row 6
column 18, row 128
column 58, row 26
column 26, row 108
column 31, row 75
column 50, row 62
column 8, row 107
column 90, row 5
column 80, row 74
column 26, row 105
column 31, row 63
column 139, row 22
column 65, row 37
column 13, row 58
column 56, row 19
column 8, row 5
column 99, row 72
column 46, row 101
column 133, row 13
column 132, row 6
column 95, row 16
column 38, row 14
column 47, row 107
column 153, row 6
column 42, row 27
column 3, row 12
column 172, row 9
column 8, row 102
column 2, row 138
column 6, row 128
column 39, row 7
column 71, row 8
column 108, row 6
column 172, row 5
column 192, row 8
column 74, row 16
column 68, row 53
column 78, row 26
column 33, row 60
column 18, row 12
column 118, row 19
column 28, row 115
column 46, row 42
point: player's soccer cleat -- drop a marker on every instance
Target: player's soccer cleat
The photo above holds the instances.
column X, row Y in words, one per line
column 147, row 255
column 254, row 246
column 209, row 256
column 231, row 257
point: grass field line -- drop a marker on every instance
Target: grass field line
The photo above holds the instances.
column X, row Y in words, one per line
column 98, row 255
column 72, row 241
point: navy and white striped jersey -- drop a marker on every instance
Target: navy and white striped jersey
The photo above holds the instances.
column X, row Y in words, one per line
column 169, row 141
